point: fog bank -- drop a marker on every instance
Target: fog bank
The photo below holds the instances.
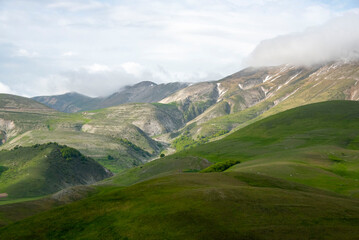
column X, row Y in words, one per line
column 338, row 39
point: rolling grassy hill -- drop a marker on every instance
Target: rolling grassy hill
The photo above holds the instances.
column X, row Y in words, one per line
column 316, row 145
column 297, row 179
column 43, row 169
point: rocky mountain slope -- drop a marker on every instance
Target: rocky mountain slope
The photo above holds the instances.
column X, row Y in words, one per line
column 254, row 93
column 143, row 92
column 118, row 137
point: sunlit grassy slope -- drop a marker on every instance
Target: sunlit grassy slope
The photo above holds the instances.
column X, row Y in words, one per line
column 314, row 145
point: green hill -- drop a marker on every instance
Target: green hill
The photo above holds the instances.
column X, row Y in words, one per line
column 44, row 169
column 316, row 144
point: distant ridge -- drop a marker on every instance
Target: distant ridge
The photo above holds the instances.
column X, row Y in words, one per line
column 15, row 103
column 144, row 92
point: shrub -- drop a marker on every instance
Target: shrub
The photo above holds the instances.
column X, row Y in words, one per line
column 162, row 155
column 221, row 166
column 69, row 153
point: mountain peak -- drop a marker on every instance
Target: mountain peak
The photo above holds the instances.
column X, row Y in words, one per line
column 145, row 84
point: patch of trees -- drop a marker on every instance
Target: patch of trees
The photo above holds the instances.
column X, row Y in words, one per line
column 69, row 153
column 221, row 166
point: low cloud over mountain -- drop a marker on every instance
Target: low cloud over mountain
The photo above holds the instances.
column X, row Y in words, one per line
column 337, row 39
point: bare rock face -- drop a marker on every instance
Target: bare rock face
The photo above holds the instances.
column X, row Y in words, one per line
column 197, row 92
column 195, row 99
column 7, row 130
column 260, row 92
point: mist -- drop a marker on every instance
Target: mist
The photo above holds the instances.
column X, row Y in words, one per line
column 338, row 39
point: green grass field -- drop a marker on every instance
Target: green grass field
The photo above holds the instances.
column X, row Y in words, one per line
column 198, row 206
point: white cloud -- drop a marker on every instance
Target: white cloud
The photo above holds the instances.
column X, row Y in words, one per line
column 335, row 40
column 25, row 53
column 95, row 68
column 4, row 88
column 133, row 68
column 68, row 54
column 76, row 6
column 126, row 41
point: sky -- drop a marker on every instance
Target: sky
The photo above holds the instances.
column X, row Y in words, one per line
column 96, row 47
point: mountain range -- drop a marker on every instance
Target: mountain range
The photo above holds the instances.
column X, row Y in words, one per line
column 265, row 153
column 143, row 92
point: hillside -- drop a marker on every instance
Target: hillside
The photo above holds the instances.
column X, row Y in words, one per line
column 314, row 145
column 255, row 93
column 198, row 206
column 21, row 104
column 143, row 92
column 43, row 169
column 68, row 102
column 117, row 137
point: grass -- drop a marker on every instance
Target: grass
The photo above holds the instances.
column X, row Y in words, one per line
column 198, row 206
column 313, row 137
column 6, row 201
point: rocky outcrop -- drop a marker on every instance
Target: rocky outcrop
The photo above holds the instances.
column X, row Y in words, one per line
column 7, row 130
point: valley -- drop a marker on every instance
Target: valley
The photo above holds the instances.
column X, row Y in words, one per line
column 179, row 120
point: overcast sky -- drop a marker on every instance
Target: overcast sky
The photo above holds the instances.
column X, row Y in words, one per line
column 95, row 47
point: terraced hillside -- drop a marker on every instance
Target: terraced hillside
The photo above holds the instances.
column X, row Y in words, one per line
column 297, row 179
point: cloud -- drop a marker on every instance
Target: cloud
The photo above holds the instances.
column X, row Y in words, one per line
column 4, row 88
column 68, row 54
column 133, row 68
column 335, row 40
column 76, row 6
column 97, row 46
column 102, row 80
column 96, row 68
column 25, row 53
